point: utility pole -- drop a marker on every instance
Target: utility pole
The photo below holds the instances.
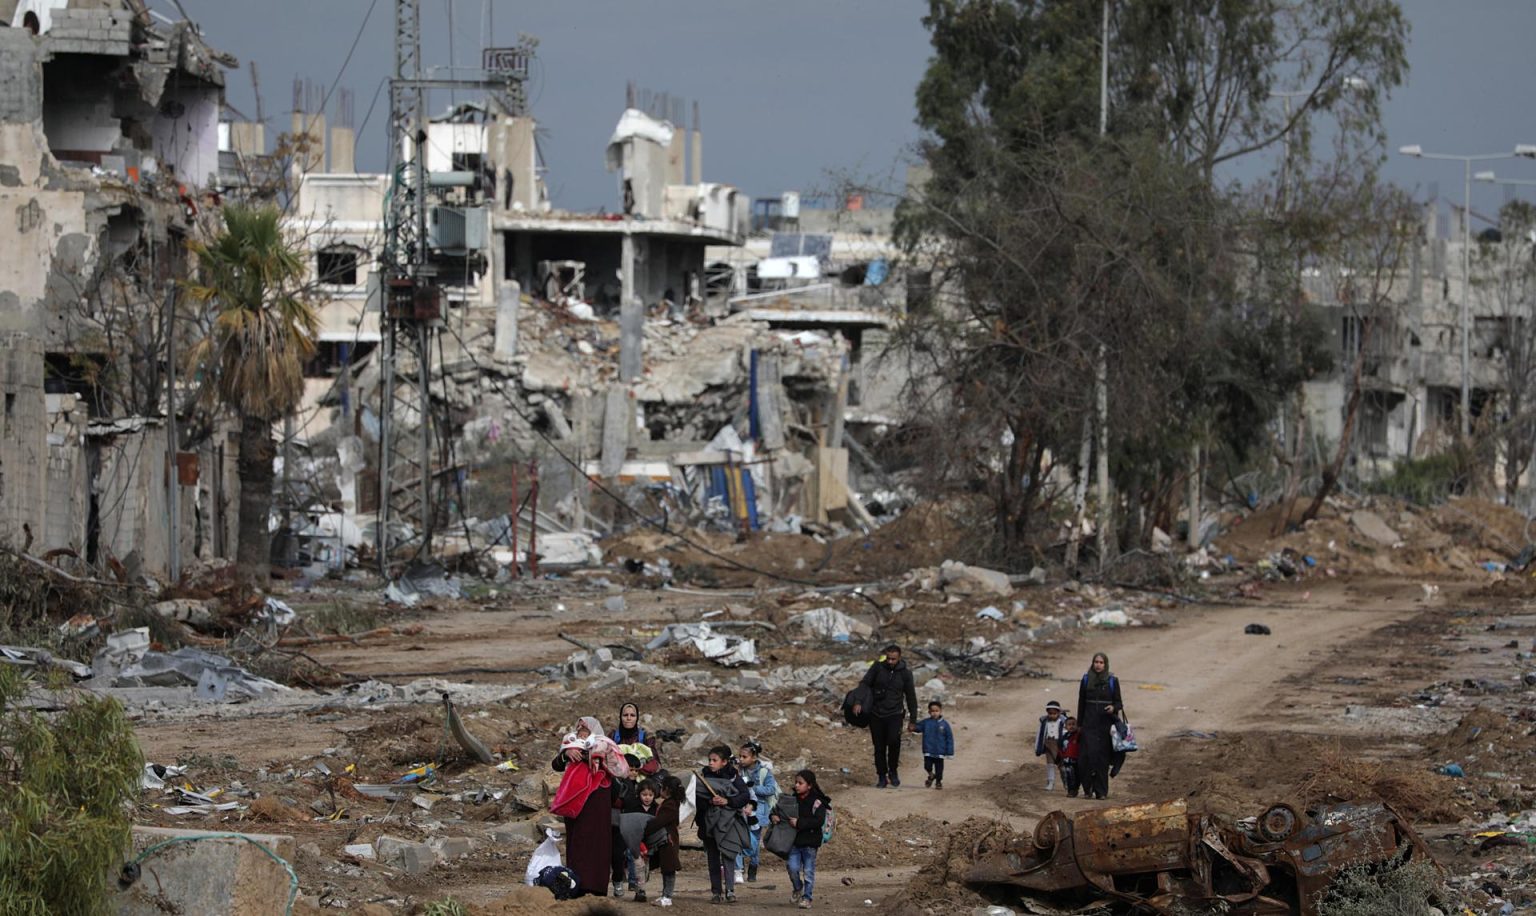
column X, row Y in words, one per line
column 411, row 302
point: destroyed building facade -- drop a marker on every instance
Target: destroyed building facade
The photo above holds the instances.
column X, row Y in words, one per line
column 600, row 342
column 109, row 155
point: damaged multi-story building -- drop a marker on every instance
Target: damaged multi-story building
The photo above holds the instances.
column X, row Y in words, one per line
column 109, row 155
column 606, row 344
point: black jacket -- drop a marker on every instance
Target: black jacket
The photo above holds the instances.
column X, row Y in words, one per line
column 810, row 818
column 891, row 686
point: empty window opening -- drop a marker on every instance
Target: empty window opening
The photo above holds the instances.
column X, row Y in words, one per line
column 337, row 266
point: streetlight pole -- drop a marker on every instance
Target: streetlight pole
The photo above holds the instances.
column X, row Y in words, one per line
column 1417, row 152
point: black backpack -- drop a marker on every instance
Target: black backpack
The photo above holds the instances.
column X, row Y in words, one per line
column 864, row 698
column 560, row 880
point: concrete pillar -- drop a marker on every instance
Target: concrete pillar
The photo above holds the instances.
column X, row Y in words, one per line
column 343, row 150
column 511, row 147
column 631, row 316
column 698, row 157
column 618, row 420
column 508, row 298
column 311, row 126
column 248, row 138
column 675, row 153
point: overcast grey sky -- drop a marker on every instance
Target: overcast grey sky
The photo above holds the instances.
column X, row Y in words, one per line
column 792, row 90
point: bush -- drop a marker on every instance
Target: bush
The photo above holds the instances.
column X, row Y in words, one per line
column 1395, row 888
column 1427, row 481
column 67, row 783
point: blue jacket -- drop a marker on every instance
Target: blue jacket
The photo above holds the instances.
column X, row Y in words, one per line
column 764, row 789
column 1040, row 735
column 938, row 739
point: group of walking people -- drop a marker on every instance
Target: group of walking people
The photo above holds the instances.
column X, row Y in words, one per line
column 623, row 812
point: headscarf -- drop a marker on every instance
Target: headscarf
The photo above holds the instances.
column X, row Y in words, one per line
column 599, row 745
column 1099, row 680
column 618, row 733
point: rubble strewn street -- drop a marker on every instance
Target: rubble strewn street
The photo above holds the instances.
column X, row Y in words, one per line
column 1124, row 505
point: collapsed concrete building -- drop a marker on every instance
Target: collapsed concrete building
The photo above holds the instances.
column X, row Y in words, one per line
column 109, row 155
column 594, row 342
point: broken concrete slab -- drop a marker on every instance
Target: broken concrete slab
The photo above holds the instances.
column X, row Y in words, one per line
column 198, row 873
column 832, row 624
column 960, row 579
column 1374, row 527
column 185, row 610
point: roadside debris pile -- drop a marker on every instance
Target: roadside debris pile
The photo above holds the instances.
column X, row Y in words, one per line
column 1164, row 858
column 1464, row 538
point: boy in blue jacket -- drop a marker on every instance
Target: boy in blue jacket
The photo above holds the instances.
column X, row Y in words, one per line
column 938, row 744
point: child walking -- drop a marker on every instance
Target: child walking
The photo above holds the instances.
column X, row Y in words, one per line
column 1069, row 756
column 1048, row 741
column 758, row 776
column 664, row 858
column 938, row 744
column 811, row 806
column 719, row 800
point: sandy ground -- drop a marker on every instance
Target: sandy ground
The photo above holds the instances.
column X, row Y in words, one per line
column 1196, row 671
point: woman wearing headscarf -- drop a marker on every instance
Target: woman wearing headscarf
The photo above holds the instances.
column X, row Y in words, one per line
column 590, row 762
column 1098, row 708
column 629, row 732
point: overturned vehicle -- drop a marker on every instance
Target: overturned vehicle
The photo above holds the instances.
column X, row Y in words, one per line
column 1159, row 858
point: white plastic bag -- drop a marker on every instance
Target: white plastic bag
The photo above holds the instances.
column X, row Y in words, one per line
column 686, row 807
column 546, row 855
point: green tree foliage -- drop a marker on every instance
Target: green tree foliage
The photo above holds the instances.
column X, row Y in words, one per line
column 68, row 781
column 263, row 330
column 1054, row 241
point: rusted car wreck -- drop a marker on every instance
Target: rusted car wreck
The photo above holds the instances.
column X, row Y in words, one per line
column 1153, row 857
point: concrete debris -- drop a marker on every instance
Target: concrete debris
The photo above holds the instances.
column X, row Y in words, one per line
column 127, row 662
column 959, row 579
column 25, row 657
column 719, row 648
column 832, row 624
column 235, row 873
column 185, row 610
column 1374, row 527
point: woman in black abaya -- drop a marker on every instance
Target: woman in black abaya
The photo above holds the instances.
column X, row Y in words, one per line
column 1098, row 708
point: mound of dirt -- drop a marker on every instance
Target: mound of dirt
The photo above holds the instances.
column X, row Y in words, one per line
column 1382, row 536
column 939, row 886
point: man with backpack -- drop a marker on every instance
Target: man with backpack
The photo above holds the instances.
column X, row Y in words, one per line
column 894, row 696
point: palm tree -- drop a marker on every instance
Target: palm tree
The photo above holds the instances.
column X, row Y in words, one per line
column 263, row 330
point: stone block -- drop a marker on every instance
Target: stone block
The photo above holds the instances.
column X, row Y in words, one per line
column 454, row 847
column 388, row 847
column 517, row 833
column 213, row 875
column 416, row 858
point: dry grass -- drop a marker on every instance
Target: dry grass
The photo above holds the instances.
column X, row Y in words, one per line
column 1415, row 793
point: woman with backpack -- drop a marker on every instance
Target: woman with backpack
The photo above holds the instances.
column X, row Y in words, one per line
column 812, row 808
column 1098, row 709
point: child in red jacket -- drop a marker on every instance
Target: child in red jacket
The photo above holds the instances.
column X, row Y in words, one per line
column 1068, row 761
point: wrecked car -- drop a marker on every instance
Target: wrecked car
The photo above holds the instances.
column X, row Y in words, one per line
column 1158, row 857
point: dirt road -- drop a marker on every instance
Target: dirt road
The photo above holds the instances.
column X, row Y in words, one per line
column 1199, row 672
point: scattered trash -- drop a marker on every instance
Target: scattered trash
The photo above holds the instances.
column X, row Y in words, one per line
column 730, row 651
column 471, row 745
column 1256, row 629
column 1452, row 769
column 155, row 775
column 989, row 613
column 832, row 624
column 24, row 657
column 1110, row 618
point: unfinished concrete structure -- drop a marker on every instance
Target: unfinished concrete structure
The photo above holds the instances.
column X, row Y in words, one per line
column 109, row 134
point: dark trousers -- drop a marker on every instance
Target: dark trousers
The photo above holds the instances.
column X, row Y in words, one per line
column 722, row 871
column 1069, row 775
column 885, row 732
column 934, row 766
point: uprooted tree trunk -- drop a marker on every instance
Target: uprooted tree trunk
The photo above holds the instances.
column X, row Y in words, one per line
column 253, row 552
column 1346, row 437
